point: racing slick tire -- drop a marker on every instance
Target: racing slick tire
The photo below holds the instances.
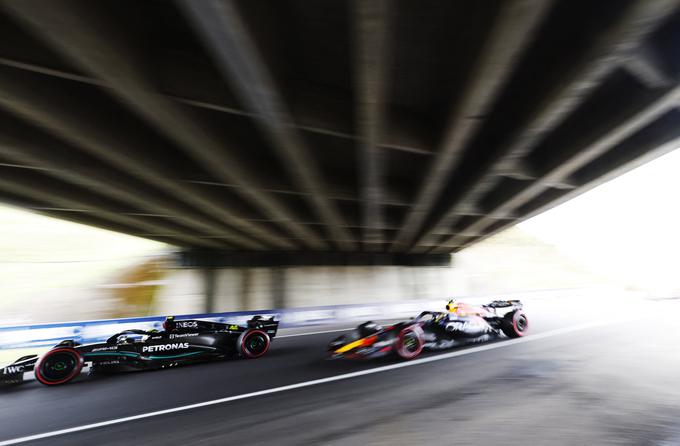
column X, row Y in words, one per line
column 515, row 324
column 253, row 343
column 409, row 343
column 59, row 366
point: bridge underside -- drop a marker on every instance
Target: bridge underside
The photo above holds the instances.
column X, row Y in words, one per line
column 394, row 127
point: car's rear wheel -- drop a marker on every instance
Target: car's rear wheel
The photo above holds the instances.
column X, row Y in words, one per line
column 59, row 366
column 253, row 343
column 515, row 324
column 409, row 343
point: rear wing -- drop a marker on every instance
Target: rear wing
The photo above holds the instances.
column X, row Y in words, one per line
column 503, row 307
column 268, row 325
column 505, row 303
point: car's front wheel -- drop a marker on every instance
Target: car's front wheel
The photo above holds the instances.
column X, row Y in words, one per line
column 253, row 343
column 59, row 366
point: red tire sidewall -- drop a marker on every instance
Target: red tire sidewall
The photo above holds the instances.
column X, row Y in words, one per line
column 399, row 347
column 76, row 371
column 517, row 315
column 243, row 349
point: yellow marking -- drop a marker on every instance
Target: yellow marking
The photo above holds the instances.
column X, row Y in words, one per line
column 233, row 327
column 350, row 346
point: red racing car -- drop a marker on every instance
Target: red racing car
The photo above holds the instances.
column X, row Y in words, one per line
column 461, row 324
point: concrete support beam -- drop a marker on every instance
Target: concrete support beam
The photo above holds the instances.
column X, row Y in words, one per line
column 559, row 174
column 516, row 169
column 30, row 150
column 511, row 33
column 78, row 125
column 225, row 259
column 654, row 152
column 471, row 209
column 82, row 218
column 227, row 38
column 371, row 31
column 611, row 47
column 47, row 71
column 249, row 128
column 31, row 185
column 400, row 143
column 648, row 66
column 104, row 50
column 561, row 185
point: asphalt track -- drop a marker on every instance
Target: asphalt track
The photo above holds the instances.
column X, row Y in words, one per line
column 604, row 373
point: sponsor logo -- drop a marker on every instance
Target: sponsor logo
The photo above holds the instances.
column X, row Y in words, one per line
column 101, row 349
column 187, row 324
column 164, row 347
column 13, row 369
column 462, row 326
column 183, row 335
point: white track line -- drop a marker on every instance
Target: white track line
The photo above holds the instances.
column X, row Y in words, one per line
column 441, row 357
column 320, row 332
column 313, row 333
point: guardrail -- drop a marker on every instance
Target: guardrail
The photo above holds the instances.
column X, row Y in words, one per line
column 45, row 335
column 42, row 335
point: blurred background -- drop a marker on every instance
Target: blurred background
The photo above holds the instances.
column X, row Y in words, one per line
column 209, row 156
column 60, row 271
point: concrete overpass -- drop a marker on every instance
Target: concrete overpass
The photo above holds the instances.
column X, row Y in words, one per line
column 344, row 132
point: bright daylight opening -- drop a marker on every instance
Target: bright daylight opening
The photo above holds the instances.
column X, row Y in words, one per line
column 627, row 228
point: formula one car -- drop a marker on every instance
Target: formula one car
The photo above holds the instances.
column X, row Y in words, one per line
column 181, row 342
column 461, row 324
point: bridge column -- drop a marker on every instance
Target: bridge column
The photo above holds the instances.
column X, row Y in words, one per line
column 209, row 282
column 278, row 287
column 244, row 290
column 228, row 281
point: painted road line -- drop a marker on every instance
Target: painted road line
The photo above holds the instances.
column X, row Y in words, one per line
column 441, row 357
column 313, row 333
column 322, row 332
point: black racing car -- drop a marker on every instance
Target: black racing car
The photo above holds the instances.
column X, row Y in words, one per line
column 461, row 324
column 181, row 342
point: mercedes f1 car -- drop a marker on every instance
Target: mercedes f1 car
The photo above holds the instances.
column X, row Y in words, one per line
column 461, row 324
column 181, row 342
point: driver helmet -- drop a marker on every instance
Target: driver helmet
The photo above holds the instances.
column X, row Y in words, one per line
column 169, row 323
column 124, row 340
column 459, row 308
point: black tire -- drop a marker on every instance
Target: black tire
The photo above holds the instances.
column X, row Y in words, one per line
column 515, row 324
column 409, row 343
column 59, row 366
column 253, row 343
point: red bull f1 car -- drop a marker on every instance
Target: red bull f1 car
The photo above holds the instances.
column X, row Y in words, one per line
column 461, row 324
column 181, row 342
